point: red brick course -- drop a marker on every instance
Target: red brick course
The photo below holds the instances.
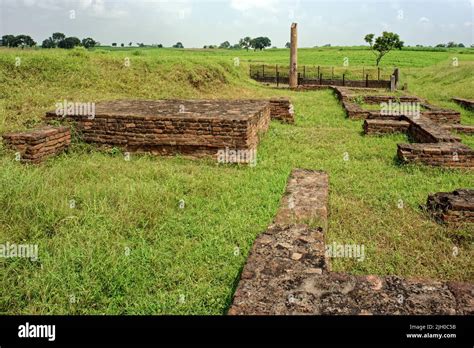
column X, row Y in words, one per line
column 36, row 145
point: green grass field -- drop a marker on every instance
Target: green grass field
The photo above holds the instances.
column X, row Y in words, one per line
column 127, row 248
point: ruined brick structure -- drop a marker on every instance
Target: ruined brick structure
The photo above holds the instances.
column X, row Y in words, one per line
column 190, row 127
column 36, row 145
column 356, row 112
column 287, row 271
column 451, row 155
column 423, row 130
column 282, row 110
column 452, row 208
column 380, row 127
column 434, row 144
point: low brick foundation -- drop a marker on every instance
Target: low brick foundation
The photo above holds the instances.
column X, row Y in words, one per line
column 282, row 110
column 452, row 208
column 451, row 155
column 288, row 273
column 36, row 145
column 465, row 103
column 423, row 130
column 433, row 126
column 289, row 249
column 190, row 127
column 356, row 112
column 377, row 99
column 379, row 127
column 460, row 128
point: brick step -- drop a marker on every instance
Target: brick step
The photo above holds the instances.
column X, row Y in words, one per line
column 38, row 144
column 452, row 155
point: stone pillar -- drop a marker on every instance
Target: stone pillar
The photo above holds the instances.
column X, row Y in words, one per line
column 393, row 84
column 294, row 56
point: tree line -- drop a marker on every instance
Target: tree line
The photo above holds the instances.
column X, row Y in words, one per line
column 258, row 43
column 57, row 40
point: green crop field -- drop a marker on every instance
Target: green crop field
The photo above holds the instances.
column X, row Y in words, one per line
column 126, row 247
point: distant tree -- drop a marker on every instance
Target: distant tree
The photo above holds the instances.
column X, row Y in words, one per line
column 246, row 42
column 178, row 45
column 7, row 40
column 383, row 44
column 89, row 42
column 260, row 43
column 236, row 47
column 440, row 45
column 130, row 44
column 225, row 44
column 327, row 45
column 160, row 46
column 451, row 44
column 461, row 45
column 288, row 45
column 57, row 38
column 21, row 41
column 141, row 44
column 114, row 44
column 122, row 45
column 48, row 43
column 69, row 42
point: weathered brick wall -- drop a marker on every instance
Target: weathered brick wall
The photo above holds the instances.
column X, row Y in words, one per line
column 287, row 271
column 36, row 145
column 377, row 99
column 453, row 208
column 460, row 128
column 452, row 155
column 379, row 127
column 203, row 127
column 441, row 116
column 423, row 130
column 282, row 110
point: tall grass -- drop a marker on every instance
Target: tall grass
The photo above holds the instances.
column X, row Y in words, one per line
column 127, row 248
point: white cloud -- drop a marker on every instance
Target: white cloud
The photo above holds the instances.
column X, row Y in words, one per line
column 423, row 20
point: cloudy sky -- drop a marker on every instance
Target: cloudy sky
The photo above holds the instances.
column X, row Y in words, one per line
column 201, row 22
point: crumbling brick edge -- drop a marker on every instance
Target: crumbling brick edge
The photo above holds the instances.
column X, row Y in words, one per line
column 287, row 271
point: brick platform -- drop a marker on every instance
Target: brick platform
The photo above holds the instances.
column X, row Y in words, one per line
column 36, row 145
column 379, row 127
column 191, row 127
column 452, row 208
column 288, row 273
column 451, row 155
